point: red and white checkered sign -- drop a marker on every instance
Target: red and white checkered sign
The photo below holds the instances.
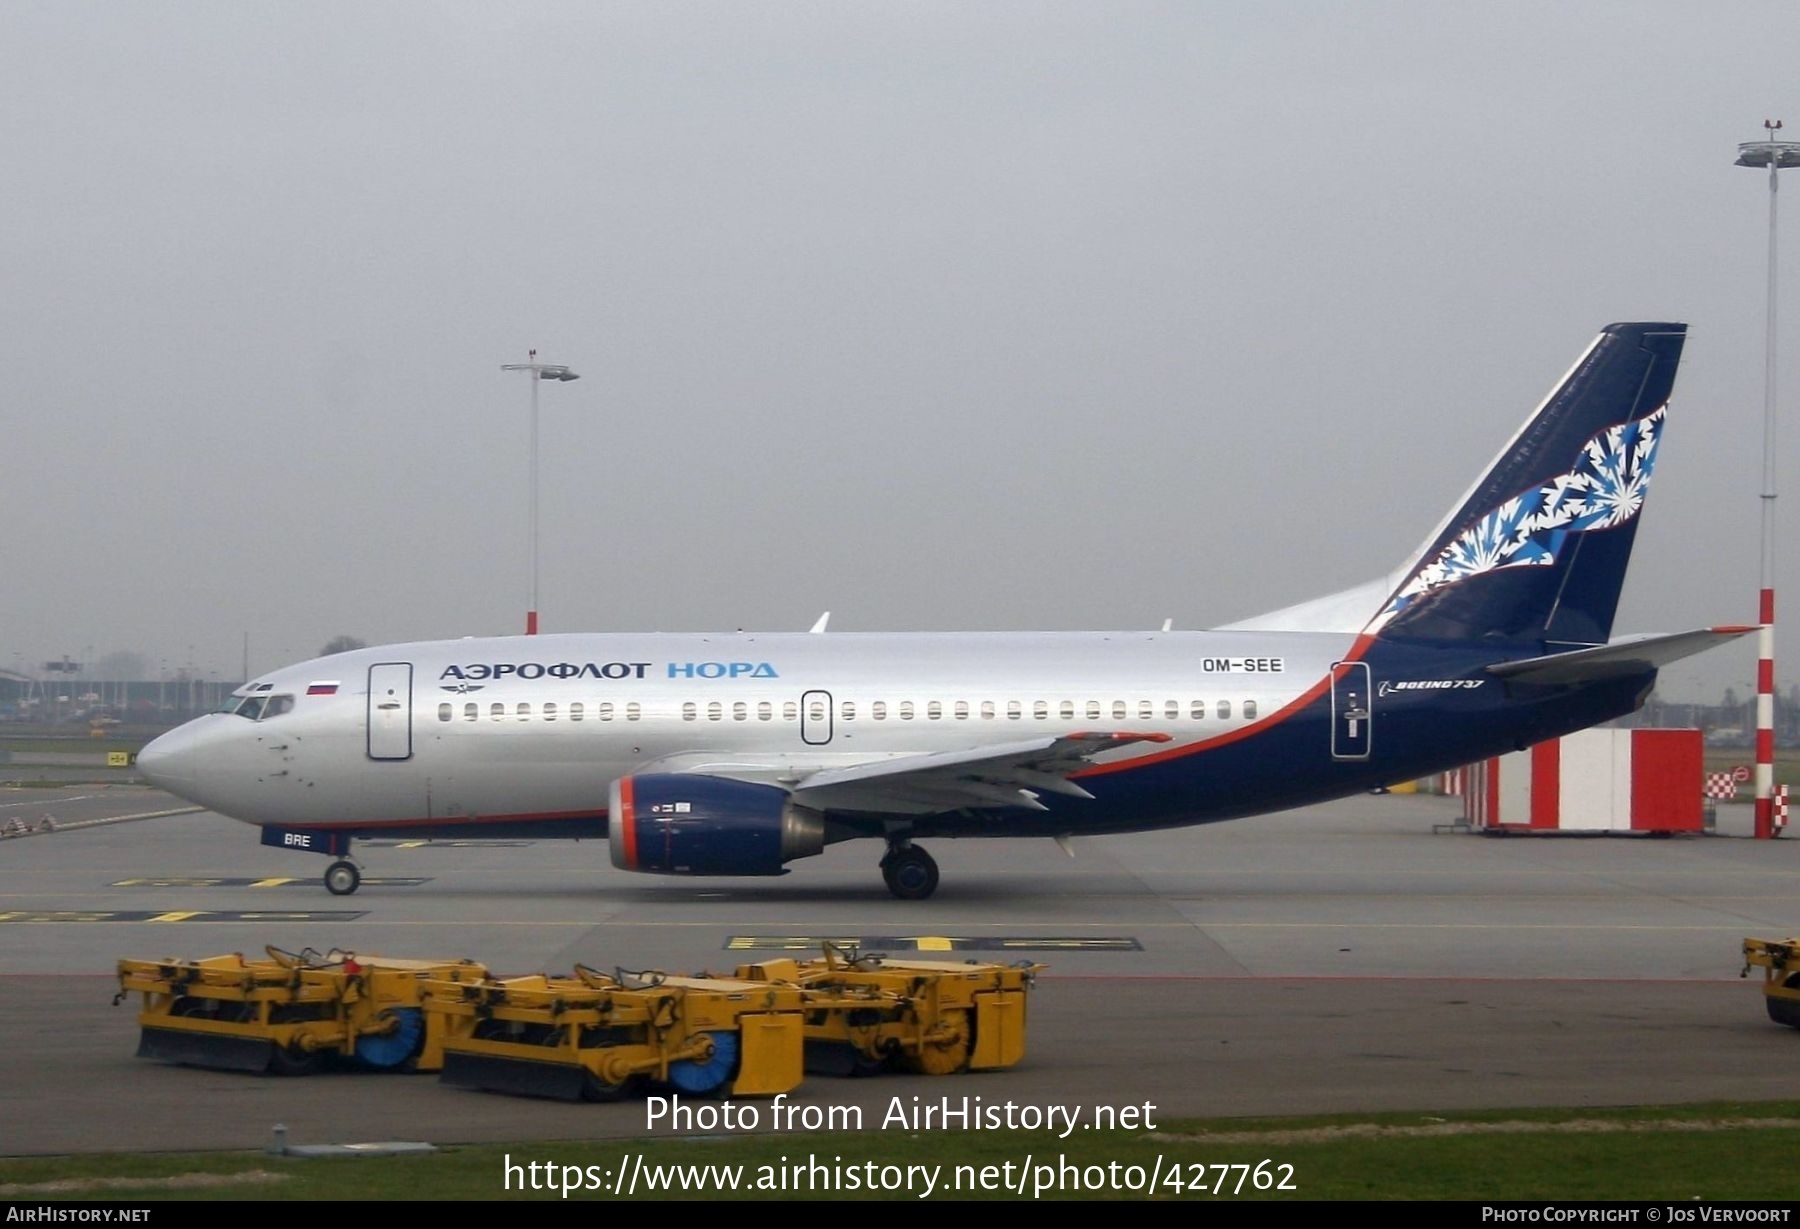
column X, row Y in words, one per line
column 1779, row 822
column 1721, row 786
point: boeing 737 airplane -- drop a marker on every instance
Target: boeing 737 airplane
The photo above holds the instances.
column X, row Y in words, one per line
column 737, row 754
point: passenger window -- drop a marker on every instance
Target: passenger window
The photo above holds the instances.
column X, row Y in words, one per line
column 1172, row 709
column 815, row 711
column 1145, row 710
column 575, row 711
column 497, row 711
column 550, row 710
column 689, row 711
column 444, row 712
column 1093, row 710
column 1250, row 710
column 740, row 711
column 962, row 710
column 879, row 710
column 714, row 710
column 524, row 711
column 906, row 710
column 934, row 711
column 1040, row 709
column 471, row 711
column 765, row 711
column 790, row 711
column 1198, row 710
column 849, row 709
column 633, row 711
column 1118, row 710
column 605, row 710
column 987, row 710
column 1012, row 710
column 1224, row 710
column 1068, row 710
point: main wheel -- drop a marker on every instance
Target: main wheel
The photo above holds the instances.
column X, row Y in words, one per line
column 342, row 878
column 593, row 1088
column 294, row 1062
column 1785, row 1011
column 910, row 872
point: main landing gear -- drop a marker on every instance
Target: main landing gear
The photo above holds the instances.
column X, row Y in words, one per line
column 342, row 878
column 910, row 872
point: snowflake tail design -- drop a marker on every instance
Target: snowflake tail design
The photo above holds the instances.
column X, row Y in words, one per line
column 1604, row 489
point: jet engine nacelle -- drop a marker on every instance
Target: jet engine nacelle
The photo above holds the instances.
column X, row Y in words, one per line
column 690, row 824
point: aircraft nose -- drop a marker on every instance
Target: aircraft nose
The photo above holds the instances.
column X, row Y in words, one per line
column 168, row 761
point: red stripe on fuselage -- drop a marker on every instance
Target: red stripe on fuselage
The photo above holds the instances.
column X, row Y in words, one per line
column 1357, row 650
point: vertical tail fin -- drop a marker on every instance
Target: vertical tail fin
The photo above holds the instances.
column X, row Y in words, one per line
column 1535, row 554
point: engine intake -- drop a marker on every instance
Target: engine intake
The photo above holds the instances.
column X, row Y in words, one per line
column 692, row 824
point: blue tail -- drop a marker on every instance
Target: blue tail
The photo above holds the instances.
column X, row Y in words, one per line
column 1535, row 556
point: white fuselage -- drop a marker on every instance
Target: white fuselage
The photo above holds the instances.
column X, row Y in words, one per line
column 542, row 725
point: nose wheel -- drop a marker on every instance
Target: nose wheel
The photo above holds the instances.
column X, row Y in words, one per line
column 910, row 872
column 342, row 878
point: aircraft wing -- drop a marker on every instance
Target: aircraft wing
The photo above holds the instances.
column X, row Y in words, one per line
column 1001, row 775
column 1632, row 655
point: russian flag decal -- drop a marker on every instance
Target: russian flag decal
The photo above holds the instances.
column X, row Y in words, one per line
column 322, row 689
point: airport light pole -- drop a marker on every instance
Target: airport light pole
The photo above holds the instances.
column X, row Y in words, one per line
column 1773, row 154
column 539, row 373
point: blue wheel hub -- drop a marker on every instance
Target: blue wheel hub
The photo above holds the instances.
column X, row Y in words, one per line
column 392, row 1049
column 695, row 1077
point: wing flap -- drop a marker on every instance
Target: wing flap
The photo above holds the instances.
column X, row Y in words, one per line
column 1003, row 775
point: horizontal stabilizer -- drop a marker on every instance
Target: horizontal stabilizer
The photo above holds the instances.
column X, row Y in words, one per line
column 1632, row 655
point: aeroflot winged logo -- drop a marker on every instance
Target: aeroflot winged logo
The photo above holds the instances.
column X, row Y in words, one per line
column 1605, row 488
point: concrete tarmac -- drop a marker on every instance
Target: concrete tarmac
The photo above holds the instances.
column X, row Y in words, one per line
column 1339, row 958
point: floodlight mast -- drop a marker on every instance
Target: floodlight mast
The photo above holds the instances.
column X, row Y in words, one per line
column 539, row 373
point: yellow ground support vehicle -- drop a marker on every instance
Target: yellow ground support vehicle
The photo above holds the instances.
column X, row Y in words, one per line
column 865, row 1012
column 597, row 1037
column 289, row 1013
column 592, row 1035
column 1779, row 960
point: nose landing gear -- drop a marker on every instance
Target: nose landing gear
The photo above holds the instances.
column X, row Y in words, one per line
column 910, row 872
column 342, row 878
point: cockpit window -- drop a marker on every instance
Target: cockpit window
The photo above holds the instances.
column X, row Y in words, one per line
column 257, row 708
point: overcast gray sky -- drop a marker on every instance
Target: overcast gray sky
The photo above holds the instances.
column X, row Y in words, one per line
column 937, row 315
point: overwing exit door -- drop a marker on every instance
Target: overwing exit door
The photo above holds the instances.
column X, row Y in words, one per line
column 815, row 718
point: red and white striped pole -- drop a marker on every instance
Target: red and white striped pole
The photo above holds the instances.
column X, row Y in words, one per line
column 1773, row 154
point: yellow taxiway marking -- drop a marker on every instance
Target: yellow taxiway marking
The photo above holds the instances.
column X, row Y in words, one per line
column 177, row 916
column 932, row 943
column 273, row 883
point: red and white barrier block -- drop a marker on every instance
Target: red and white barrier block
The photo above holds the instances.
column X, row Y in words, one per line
column 1592, row 781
